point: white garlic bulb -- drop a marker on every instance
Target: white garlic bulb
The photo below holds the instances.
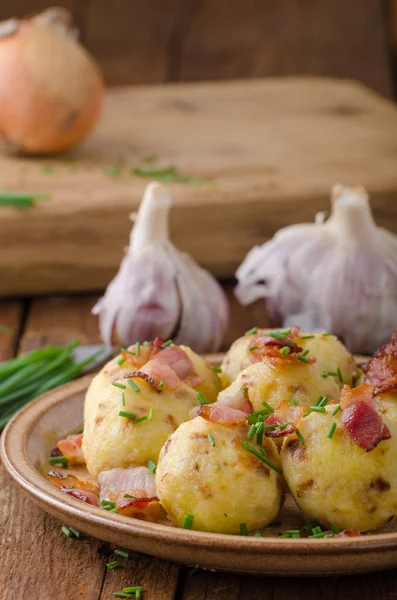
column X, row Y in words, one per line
column 159, row 291
column 338, row 275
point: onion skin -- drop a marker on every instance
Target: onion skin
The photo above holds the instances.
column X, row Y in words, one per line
column 51, row 90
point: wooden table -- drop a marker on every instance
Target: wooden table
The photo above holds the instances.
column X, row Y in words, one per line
column 37, row 562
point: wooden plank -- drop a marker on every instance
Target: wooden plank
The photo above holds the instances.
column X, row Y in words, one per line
column 274, row 147
column 11, row 312
column 34, row 554
column 171, row 40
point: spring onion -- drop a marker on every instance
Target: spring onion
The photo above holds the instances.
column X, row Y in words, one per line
column 24, row 378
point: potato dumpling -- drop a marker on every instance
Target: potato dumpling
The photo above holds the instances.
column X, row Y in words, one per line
column 336, row 481
column 221, row 485
column 111, row 440
column 288, row 381
column 329, row 352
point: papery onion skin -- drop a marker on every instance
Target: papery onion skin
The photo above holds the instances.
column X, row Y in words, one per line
column 51, row 90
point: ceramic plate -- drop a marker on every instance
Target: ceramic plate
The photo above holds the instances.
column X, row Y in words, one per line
column 31, row 434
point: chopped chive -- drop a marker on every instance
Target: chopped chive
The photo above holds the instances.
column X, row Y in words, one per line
column 253, row 450
column 252, row 331
column 146, row 344
column 306, row 414
column 339, row 373
column 225, row 514
column 336, row 410
column 193, row 571
column 119, row 385
column 123, row 398
column 187, row 521
column 285, row 350
column 113, row 565
column 127, row 351
column 151, row 414
column 277, row 335
column 217, row 369
column 251, row 432
column 243, row 529
column 299, row 436
column 244, row 389
column 133, row 590
column 108, row 504
column 121, row 361
column 305, row 353
column 259, row 434
column 320, row 409
column 201, row 398
column 133, row 385
column 302, row 358
column 166, row 344
column 152, row 465
column 323, row 401
column 137, row 348
column 161, row 384
column 211, row 439
column 67, row 531
column 81, row 430
column 326, row 374
column 294, row 402
column 334, row 528
column 326, row 333
column 331, row 431
column 269, row 408
column 129, row 496
column 141, row 420
column 317, row 530
column 307, row 337
column 75, row 532
column 253, row 348
column 59, row 460
column 277, row 426
column 122, row 595
column 127, row 415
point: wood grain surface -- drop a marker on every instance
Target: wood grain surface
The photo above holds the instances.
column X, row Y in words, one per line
column 274, row 148
column 173, row 40
column 38, row 562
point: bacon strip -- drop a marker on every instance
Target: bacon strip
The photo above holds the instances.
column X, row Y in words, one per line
column 239, row 401
column 364, row 425
column 71, row 449
column 82, row 495
column 65, row 480
column 363, row 392
column 136, row 481
column 347, row 533
column 177, row 359
column 146, row 509
column 222, row 414
column 381, row 369
column 284, row 413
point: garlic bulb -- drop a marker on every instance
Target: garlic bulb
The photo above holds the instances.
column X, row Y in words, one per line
column 338, row 275
column 159, row 291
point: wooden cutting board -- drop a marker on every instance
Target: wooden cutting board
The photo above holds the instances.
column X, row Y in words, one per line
column 273, row 148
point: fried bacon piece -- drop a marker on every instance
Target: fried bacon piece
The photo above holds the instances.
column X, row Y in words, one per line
column 146, row 353
column 381, row 369
column 82, row 495
column 71, row 449
column 67, row 480
column 222, row 414
column 362, row 393
column 347, row 533
column 146, row 509
column 364, row 425
column 266, row 347
column 284, row 413
column 172, row 366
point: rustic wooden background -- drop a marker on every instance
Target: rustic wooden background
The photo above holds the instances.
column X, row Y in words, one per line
column 152, row 41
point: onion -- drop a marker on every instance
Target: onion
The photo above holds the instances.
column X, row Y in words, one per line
column 50, row 88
